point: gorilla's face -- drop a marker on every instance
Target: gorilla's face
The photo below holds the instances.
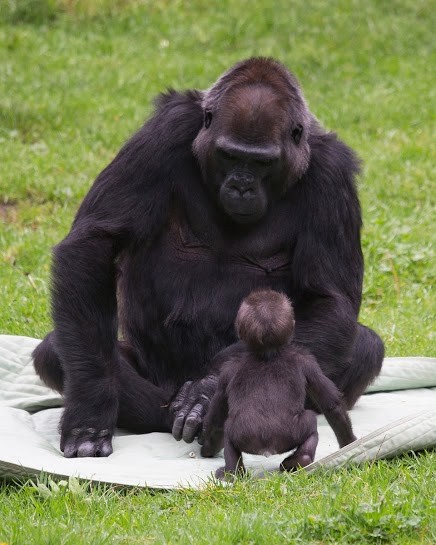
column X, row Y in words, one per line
column 251, row 149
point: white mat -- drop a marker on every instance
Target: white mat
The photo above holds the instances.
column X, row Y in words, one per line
column 397, row 414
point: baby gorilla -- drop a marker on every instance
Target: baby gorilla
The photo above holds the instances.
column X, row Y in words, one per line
column 259, row 403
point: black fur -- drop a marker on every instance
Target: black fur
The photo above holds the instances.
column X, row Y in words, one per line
column 259, row 404
column 154, row 256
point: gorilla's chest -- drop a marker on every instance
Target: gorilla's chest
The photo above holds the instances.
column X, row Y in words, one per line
column 256, row 256
column 183, row 293
column 191, row 280
column 200, row 282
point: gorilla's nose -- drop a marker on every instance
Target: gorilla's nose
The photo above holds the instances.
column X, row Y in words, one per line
column 242, row 185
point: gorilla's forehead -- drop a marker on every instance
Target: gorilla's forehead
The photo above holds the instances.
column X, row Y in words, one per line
column 253, row 110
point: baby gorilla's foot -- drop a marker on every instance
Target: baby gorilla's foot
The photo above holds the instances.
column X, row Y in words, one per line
column 293, row 463
column 229, row 475
column 305, row 453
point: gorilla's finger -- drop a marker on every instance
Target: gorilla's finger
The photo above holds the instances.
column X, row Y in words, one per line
column 193, row 423
column 208, row 386
column 178, row 424
column 180, row 399
column 200, row 438
column 86, row 448
column 69, row 449
column 105, row 447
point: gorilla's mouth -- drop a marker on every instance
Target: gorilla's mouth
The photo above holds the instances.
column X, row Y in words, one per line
column 243, row 210
column 246, row 217
column 241, row 213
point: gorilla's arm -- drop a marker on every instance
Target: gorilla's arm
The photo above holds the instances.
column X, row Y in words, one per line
column 329, row 400
column 327, row 267
column 127, row 206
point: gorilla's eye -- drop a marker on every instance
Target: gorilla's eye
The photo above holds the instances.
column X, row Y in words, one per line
column 227, row 155
column 265, row 162
column 207, row 118
column 296, row 133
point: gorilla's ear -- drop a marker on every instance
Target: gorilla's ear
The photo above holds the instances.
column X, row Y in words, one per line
column 296, row 133
column 207, row 118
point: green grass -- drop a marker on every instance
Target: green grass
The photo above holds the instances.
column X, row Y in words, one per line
column 388, row 502
column 77, row 78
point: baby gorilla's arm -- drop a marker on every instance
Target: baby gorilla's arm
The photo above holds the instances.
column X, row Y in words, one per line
column 213, row 425
column 328, row 398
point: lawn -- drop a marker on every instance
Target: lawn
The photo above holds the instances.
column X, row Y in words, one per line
column 77, row 78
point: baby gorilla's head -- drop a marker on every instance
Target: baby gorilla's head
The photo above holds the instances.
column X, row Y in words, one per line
column 265, row 320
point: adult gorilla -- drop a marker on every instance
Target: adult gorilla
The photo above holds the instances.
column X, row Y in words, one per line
column 219, row 193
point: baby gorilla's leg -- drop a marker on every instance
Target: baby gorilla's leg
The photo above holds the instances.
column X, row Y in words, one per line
column 233, row 458
column 305, row 452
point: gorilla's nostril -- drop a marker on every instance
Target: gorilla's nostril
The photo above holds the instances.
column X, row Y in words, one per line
column 248, row 193
column 234, row 191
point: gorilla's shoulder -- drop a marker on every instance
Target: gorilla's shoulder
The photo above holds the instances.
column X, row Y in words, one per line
column 176, row 100
column 177, row 118
column 332, row 158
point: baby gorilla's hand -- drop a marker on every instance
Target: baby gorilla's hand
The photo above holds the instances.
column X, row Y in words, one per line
column 190, row 406
column 212, row 442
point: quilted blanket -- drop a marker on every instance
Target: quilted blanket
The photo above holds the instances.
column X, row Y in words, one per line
column 397, row 414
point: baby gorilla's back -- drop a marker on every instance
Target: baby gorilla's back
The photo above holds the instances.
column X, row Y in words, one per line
column 266, row 407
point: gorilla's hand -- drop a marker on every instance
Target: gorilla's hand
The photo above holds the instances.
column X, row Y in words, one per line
column 190, row 406
column 80, row 442
column 88, row 431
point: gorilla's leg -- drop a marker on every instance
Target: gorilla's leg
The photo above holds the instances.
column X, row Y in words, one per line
column 233, row 459
column 305, row 452
column 47, row 364
column 141, row 406
column 366, row 362
column 303, row 456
